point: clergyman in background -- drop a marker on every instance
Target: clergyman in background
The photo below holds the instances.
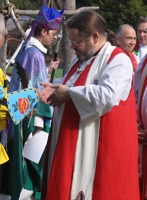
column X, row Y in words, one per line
column 126, row 39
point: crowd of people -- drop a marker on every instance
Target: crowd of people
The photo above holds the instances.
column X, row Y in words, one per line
column 98, row 128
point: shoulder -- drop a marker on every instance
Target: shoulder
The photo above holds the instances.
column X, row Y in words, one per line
column 30, row 52
column 117, row 51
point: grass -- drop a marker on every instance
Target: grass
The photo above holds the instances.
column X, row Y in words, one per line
column 58, row 72
column 9, row 69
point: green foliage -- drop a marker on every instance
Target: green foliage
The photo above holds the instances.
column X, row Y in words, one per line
column 26, row 4
column 30, row 4
column 58, row 72
column 117, row 12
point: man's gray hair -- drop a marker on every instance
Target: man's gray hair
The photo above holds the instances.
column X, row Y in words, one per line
column 121, row 27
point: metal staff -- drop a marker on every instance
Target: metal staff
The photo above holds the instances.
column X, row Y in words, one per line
column 56, row 51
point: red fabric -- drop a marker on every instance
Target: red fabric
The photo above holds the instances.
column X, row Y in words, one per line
column 136, row 46
column 131, row 55
column 115, row 180
column 116, row 51
column 134, row 61
column 61, row 173
column 116, row 175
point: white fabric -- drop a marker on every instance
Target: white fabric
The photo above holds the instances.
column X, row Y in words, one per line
column 34, row 42
column 26, row 195
column 85, row 161
column 97, row 99
column 141, row 52
column 38, row 121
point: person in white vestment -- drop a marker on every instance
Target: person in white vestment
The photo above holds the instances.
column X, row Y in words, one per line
column 92, row 150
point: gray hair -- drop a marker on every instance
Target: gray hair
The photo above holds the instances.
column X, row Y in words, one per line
column 121, row 27
column 2, row 25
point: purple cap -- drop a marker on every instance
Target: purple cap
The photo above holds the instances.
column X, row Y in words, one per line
column 47, row 17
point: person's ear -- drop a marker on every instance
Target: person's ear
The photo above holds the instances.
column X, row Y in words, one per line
column 43, row 32
column 95, row 36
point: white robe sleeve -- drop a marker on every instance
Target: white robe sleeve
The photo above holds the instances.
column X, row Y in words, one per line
column 137, row 78
column 92, row 101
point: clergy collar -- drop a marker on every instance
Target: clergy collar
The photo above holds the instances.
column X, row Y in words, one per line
column 95, row 54
column 34, row 42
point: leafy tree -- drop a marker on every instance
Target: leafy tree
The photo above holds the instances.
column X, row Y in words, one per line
column 117, row 12
column 30, row 4
column 26, row 4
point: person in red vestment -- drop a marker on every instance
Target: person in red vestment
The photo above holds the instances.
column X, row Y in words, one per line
column 140, row 85
column 126, row 39
column 92, row 151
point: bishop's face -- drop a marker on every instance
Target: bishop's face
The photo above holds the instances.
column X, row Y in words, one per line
column 48, row 36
